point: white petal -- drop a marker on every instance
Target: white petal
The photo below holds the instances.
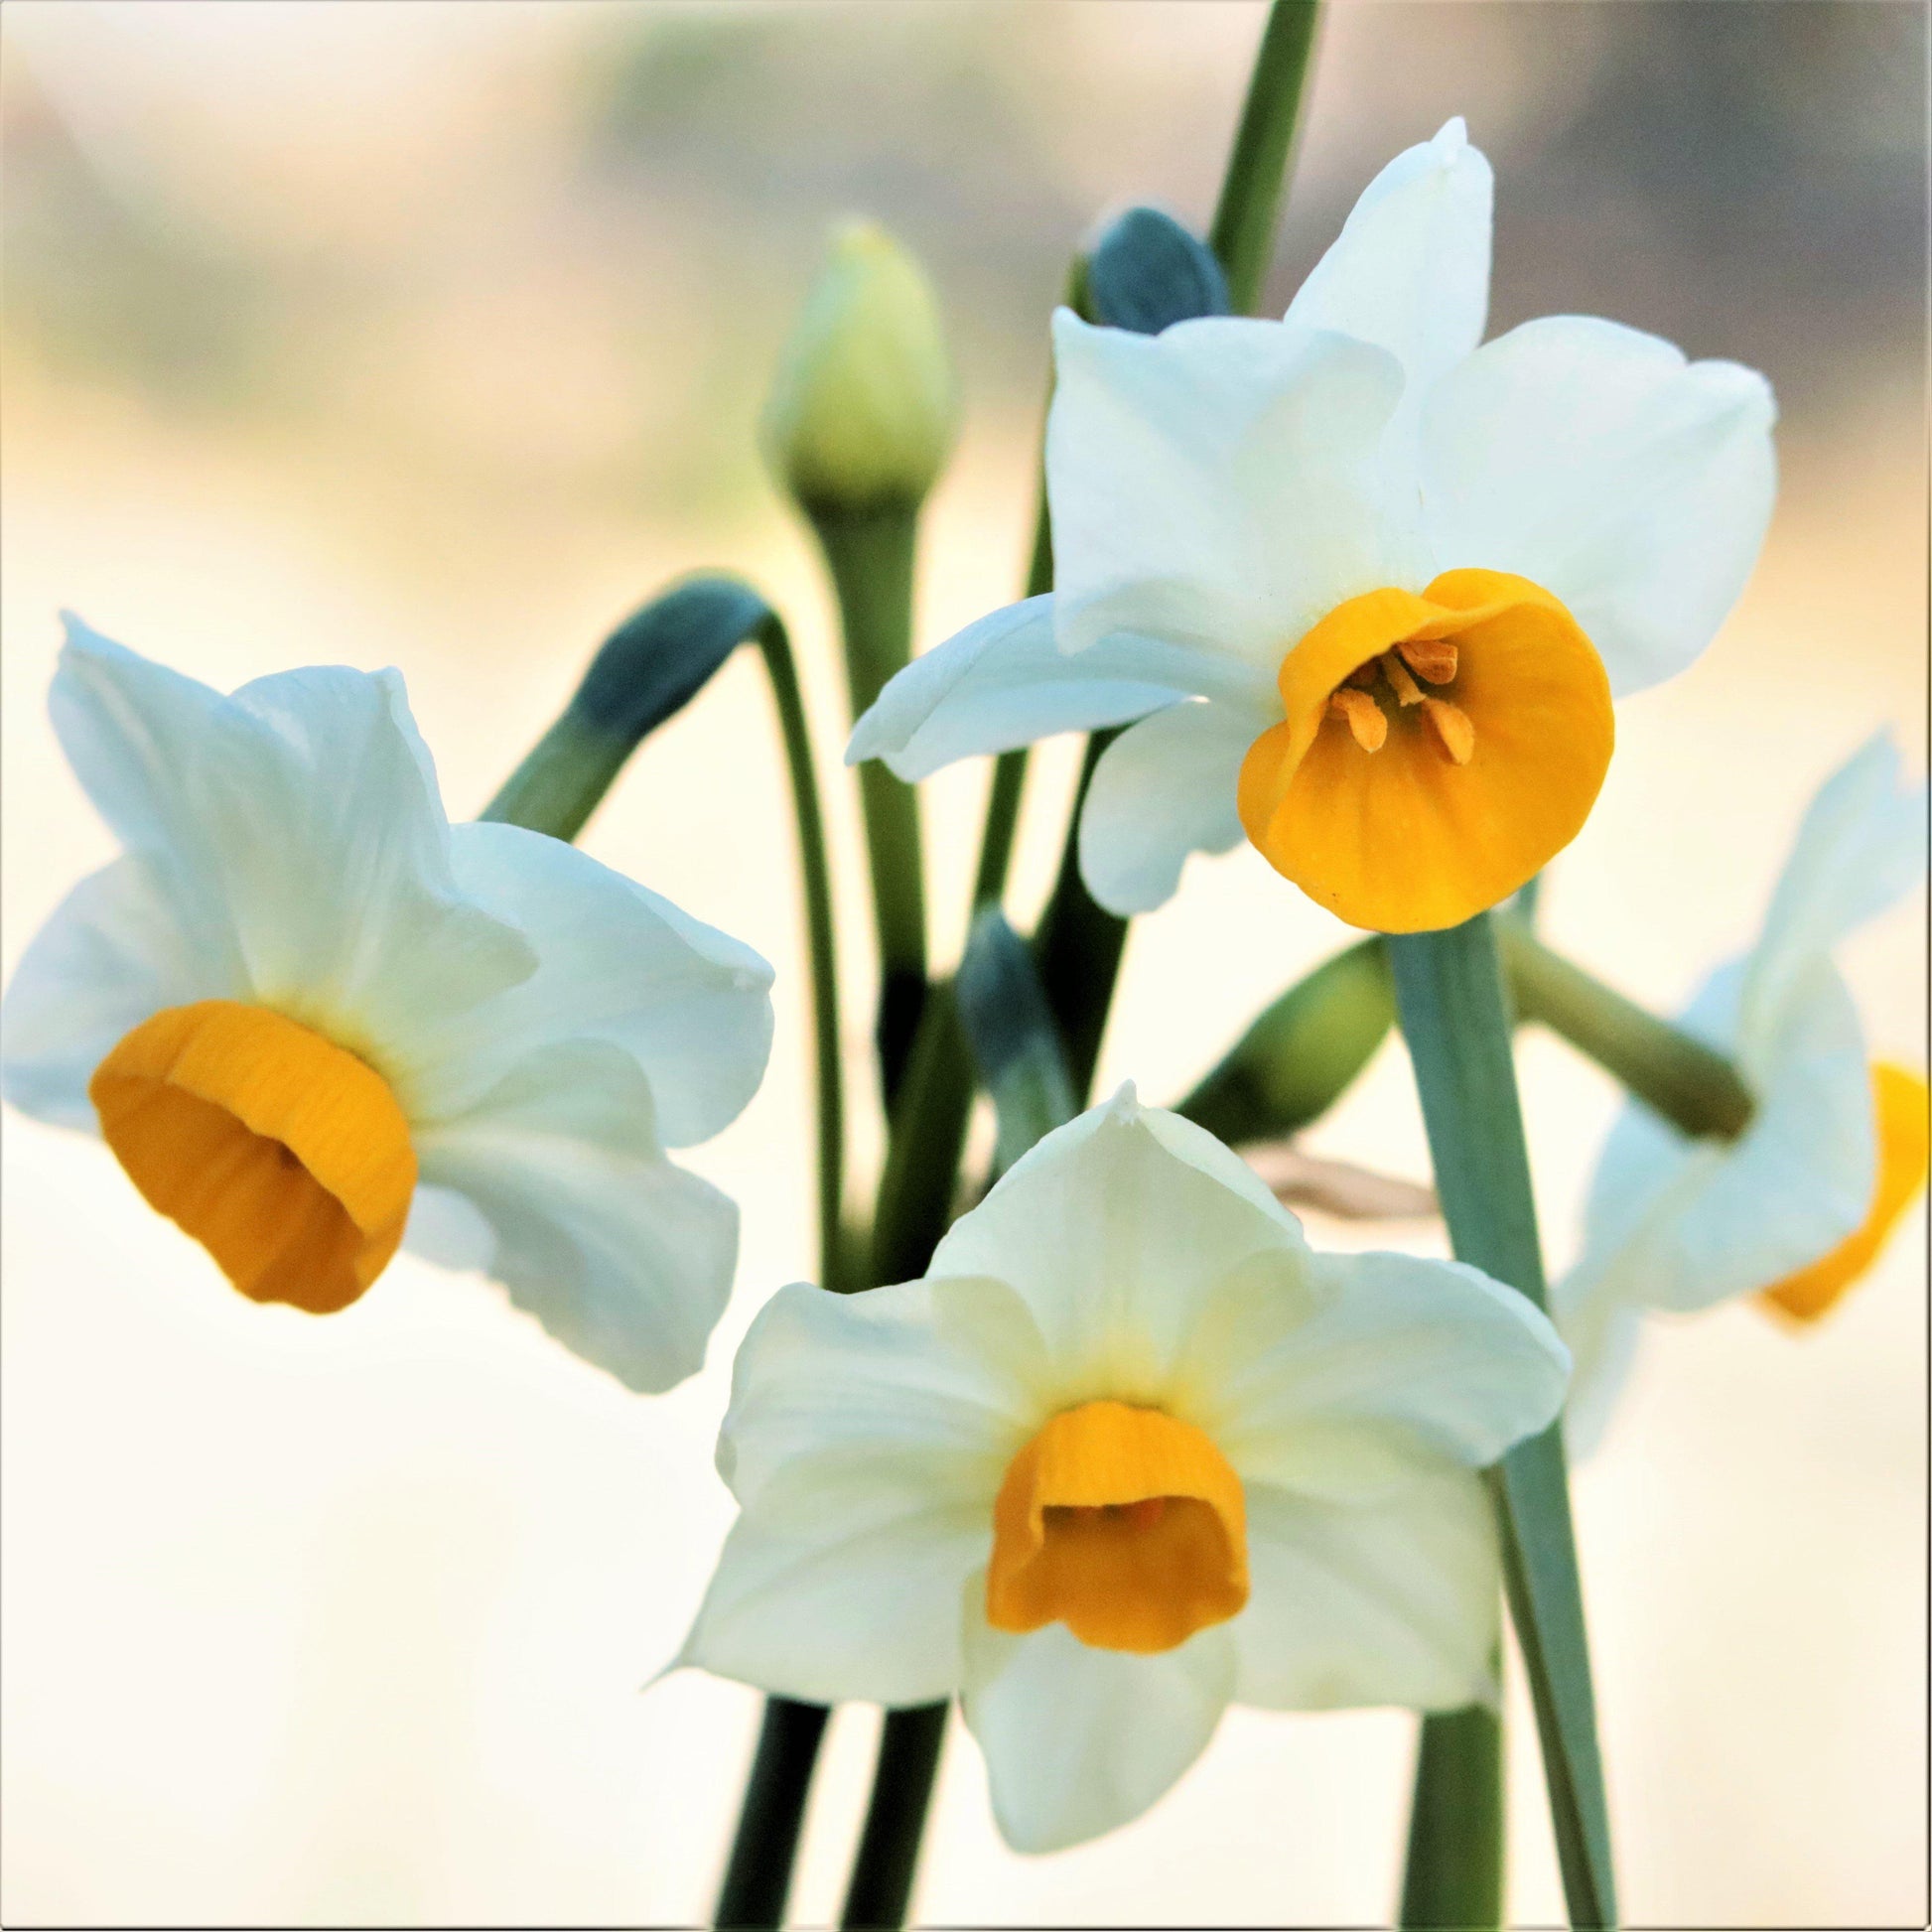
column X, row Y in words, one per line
column 866, row 1441
column 624, row 1258
column 1114, row 1229
column 1219, row 482
column 113, row 954
column 294, row 829
column 1003, row 682
column 1679, row 1224
column 1300, row 1362
column 1595, row 461
column 1079, row 1741
column 1163, row 789
column 1410, row 270
column 925, row 1367
column 843, row 1581
column 690, row 1004
column 1388, row 1603
column 1603, row 1333
column 1862, row 845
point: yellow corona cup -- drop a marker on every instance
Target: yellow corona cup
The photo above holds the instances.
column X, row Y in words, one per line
column 1359, row 584
column 311, row 1019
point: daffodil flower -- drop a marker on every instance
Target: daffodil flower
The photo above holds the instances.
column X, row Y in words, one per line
column 302, row 1008
column 1367, row 587
column 1129, row 1453
column 1799, row 1206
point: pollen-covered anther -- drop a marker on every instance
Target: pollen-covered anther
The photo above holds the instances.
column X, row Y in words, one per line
column 1433, row 660
column 1453, row 732
column 1406, row 689
column 1366, row 720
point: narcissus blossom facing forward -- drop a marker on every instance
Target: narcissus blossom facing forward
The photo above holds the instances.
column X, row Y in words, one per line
column 310, row 1017
column 1367, row 587
column 1128, row 1453
column 1799, row 1206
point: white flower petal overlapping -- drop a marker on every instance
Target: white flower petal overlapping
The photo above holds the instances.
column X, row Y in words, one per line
column 1679, row 1225
column 1131, row 1257
column 547, row 1026
column 1218, row 489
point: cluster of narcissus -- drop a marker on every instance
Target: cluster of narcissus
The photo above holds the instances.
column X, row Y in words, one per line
column 1359, row 586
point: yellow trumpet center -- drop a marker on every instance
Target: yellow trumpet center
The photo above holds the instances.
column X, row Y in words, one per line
column 1124, row 1524
column 1436, row 750
column 283, row 1154
column 1899, row 1098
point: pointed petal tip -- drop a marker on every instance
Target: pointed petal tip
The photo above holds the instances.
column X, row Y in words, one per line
column 1451, row 138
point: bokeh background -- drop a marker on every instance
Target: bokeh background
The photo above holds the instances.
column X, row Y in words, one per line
column 434, row 335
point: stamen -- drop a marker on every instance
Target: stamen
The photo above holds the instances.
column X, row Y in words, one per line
column 1363, row 676
column 1366, row 718
column 1406, row 687
column 1453, row 732
column 1433, row 660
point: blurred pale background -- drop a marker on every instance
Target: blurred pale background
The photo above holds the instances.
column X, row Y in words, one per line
column 433, row 335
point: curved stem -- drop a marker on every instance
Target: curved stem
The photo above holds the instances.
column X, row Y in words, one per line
column 1242, row 234
column 783, row 672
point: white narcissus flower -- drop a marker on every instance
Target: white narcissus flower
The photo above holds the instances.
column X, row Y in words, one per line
column 302, row 1004
column 1798, row 1206
column 1130, row 1453
column 1367, row 583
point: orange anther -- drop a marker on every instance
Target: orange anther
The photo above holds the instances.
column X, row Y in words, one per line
column 1406, row 687
column 1433, row 660
column 1453, row 732
column 1365, row 717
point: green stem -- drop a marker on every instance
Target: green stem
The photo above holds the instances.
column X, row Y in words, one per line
column 1242, row 234
column 758, row 1880
column 1694, row 1088
column 870, row 555
column 1454, row 1877
column 782, row 671
column 1010, row 767
column 1455, row 1016
column 902, row 1792
column 1078, row 945
column 1002, row 825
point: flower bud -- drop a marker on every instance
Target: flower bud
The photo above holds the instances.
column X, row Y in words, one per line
column 862, row 414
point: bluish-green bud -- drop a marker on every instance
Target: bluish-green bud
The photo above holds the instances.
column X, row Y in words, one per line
column 863, row 412
column 1302, row 1053
column 1147, row 272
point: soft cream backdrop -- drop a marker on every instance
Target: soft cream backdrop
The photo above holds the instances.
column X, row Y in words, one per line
column 350, row 1620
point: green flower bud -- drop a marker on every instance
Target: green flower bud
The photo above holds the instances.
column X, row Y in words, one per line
column 863, row 412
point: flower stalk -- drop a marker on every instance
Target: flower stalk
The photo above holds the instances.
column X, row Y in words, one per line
column 1243, row 233
column 869, row 552
column 653, row 665
column 781, row 671
column 1455, row 1016
column 1691, row 1085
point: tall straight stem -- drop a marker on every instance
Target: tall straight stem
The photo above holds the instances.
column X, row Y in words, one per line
column 1456, row 1019
column 1243, row 233
column 1078, row 944
column 758, row 1877
column 902, row 1792
column 1453, row 1874
column 870, row 555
